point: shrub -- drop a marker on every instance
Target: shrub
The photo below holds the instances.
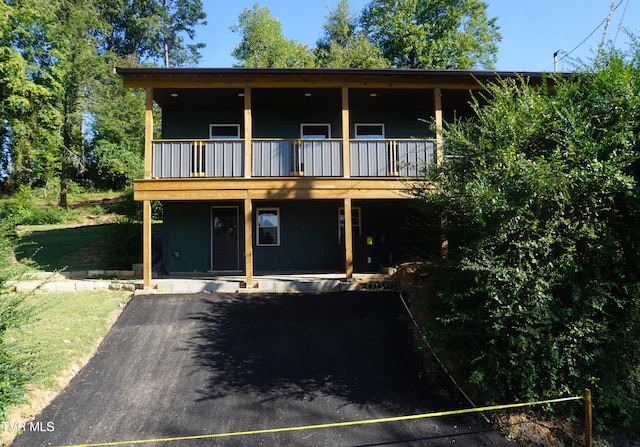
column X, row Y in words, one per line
column 132, row 210
column 15, row 362
column 23, row 211
column 541, row 208
column 124, row 245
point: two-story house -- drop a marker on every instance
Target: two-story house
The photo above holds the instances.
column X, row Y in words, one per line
column 290, row 170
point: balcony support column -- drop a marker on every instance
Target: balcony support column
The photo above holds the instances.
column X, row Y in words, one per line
column 248, row 242
column 148, row 133
column 346, row 150
column 248, row 126
column 348, row 238
column 437, row 107
column 146, row 244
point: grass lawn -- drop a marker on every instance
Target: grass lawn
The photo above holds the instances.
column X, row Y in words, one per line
column 68, row 329
column 65, row 247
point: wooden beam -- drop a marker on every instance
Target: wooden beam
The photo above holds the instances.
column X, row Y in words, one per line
column 146, row 244
column 437, row 107
column 248, row 242
column 348, row 239
column 269, row 188
column 346, row 126
column 148, row 133
column 272, row 183
column 248, row 133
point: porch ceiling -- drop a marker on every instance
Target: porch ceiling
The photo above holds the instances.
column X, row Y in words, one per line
column 293, row 98
column 198, row 98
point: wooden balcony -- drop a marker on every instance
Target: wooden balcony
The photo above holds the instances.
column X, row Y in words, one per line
column 174, row 159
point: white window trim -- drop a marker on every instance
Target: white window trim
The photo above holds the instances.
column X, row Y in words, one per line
column 212, row 126
column 359, row 137
column 354, row 210
column 277, row 213
column 303, row 125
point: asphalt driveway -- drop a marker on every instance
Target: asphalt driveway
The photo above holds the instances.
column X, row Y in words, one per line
column 186, row 365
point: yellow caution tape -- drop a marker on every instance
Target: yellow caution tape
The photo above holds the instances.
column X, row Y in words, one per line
column 333, row 424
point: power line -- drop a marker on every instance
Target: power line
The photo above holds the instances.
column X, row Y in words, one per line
column 624, row 11
column 568, row 53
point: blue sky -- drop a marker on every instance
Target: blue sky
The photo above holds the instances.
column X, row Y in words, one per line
column 531, row 30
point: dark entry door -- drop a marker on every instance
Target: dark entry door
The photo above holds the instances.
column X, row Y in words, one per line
column 224, row 238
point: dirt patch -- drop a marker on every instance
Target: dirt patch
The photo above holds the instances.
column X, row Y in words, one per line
column 527, row 429
column 91, row 255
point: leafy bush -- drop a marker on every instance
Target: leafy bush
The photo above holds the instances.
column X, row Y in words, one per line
column 124, row 246
column 132, row 210
column 117, row 165
column 23, row 211
column 541, row 207
column 15, row 362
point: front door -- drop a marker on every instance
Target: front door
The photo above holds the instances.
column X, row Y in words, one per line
column 224, row 238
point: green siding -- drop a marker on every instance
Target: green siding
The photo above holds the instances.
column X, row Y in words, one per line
column 187, row 230
column 385, row 221
column 195, row 123
column 309, row 238
column 286, row 123
column 397, row 123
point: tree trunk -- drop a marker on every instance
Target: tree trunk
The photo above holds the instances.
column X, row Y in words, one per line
column 67, row 141
column 63, row 192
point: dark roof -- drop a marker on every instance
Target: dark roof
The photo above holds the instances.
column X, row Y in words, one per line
column 396, row 72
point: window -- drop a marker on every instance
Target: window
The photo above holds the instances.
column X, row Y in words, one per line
column 268, row 226
column 369, row 131
column 224, row 131
column 356, row 223
column 315, row 131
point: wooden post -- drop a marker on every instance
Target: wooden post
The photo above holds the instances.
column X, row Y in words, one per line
column 248, row 242
column 148, row 134
column 248, row 130
column 146, row 244
column 588, row 418
column 348, row 239
column 346, row 150
column 437, row 107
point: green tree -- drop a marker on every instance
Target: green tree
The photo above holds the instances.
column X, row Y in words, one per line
column 132, row 29
column 179, row 17
column 540, row 293
column 343, row 45
column 451, row 34
column 75, row 68
column 263, row 44
column 117, row 139
column 29, row 122
column 155, row 31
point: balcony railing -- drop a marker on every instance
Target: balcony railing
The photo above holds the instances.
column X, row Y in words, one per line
column 284, row 158
column 383, row 158
column 309, row 158
column 187, row 158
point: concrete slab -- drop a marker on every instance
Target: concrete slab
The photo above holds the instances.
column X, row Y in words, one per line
column 197, row 364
